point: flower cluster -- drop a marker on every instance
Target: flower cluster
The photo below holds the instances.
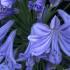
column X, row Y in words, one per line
column 46, row 42
column 7, row 59
column 6, row 8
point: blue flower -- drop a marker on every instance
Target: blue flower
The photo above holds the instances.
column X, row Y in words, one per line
column 7, row 3
column 38, row 5
column 30, row 5
column 5, row 28
column 6, row 51
column 6, row 8
column 47, row 41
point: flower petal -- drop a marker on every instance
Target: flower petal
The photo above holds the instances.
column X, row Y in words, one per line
column 20, row 57
column 6, row 49
column 5, row 28
column 9, row 43
column 55, row 23
column 40, row 29
column 64, row 45
column 41, row 46
column 55, row 55
column 64, row 27
column 64, row 15
column 66, row 36
column 29, row 64
column 66, row 39
column 9, row 56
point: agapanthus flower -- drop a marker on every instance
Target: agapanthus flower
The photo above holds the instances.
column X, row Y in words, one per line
column 6, row 52
column 7, row 3
column 47, row 41
column 38, row 6
column 5, row 28
column 6, row 8
column 30, row 4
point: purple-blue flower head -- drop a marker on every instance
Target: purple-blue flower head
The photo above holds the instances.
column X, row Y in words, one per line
column 4, row 12
column 6, row 8
column 6, row 51
column 49, row 40
column 37, row 6
column 30, row 5
column 7, row 3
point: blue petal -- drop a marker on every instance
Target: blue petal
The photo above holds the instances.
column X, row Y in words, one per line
column 66, row 33
column 65, row 16
column 64, row 45
column 41, row 46
column 40, row 29
column 5, row 28
column 30, row 63
column 55, row 55
column 44, row 56
column 9, row 57
column 13, row 66
column 5, row 47
column 64, row 27
column 34, row 38
column 20, row 57
column 9, row 43
column 26, row 54
column 55, row 23
column 66, row 36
